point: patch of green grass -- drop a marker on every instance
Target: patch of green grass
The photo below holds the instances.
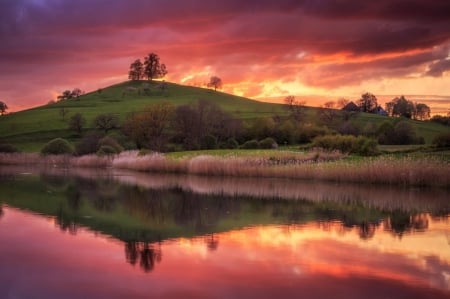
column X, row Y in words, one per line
column 30, row 129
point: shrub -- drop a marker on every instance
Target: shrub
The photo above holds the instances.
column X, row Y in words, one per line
column 442, row 140
column 88, row 144
column 8, row 148
column 111, row 142
column 347, row 144
column 348, row 128
column 250, row 144
column 57, row 146
column 232, row 143
column 307, row 133
column 209, row 142
column 267, row 143
column 106, row 150
column 400, row 133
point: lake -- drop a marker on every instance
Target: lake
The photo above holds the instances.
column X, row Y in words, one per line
column 115, row 234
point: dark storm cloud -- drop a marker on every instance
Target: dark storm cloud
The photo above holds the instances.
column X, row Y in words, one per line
column 282, row 38
column 436, row 69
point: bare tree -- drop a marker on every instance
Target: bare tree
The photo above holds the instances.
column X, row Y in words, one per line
column 76, row 123
column 215, row 82
column 296, row 107
column 148, row 128
column 106, row 122
column 63, row 112
column 328, row 112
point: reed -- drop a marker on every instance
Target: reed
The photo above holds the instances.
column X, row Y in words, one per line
column 321, row 166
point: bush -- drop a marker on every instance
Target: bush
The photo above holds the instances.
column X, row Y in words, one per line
column 442, row 140
column 250, row 144
column 110, row 142
column 307, row 133
column 8, row 148
column 209, row 142
column 88, row 144
column 347, row 144
column 57, row 146
column 106, row 150
column 400, row 133
column 232, row 143
column 268, row 143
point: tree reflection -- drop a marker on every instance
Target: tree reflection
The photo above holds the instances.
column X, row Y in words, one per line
column 65, row 223
column 1, row 211
column 366, row 230
column 73, row 196
column 212, row 242
column 147, row 254
column 400, row 223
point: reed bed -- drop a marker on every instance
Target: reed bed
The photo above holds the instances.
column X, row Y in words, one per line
column 322, row 166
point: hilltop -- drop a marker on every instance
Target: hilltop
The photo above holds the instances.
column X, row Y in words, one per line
column 30, row 129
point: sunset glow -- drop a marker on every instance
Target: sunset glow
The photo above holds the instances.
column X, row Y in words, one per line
column 317, row 50
column 285, row 260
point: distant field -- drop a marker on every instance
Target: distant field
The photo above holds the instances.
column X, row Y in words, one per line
column 29, row 130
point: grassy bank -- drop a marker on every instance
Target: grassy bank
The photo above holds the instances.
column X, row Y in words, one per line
column 407, row 170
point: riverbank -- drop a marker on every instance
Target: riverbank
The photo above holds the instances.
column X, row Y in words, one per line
column 390, row 170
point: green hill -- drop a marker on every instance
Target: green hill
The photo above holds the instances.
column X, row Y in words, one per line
column 30, row 129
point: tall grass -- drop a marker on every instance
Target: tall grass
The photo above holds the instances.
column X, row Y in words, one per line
column 385, row 170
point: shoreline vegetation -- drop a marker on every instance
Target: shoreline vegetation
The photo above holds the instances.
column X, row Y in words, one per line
column 407, row 171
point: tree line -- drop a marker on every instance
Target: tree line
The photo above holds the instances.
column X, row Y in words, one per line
column 397, row 107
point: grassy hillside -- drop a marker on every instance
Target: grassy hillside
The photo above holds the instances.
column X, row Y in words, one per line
column 29, row 130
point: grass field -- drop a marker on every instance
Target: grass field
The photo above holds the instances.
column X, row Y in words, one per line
column 29, row 130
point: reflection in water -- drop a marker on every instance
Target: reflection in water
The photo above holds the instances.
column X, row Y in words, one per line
column 278, row 238
column 310, row 260
column 147, row 254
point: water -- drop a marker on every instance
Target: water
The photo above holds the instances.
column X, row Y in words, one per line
column 106, row 234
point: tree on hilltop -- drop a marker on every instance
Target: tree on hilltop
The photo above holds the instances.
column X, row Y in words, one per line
column 215, row 82
column 153, row 69
column 3, row 108
column 136, row 70
column 368, row 102
column 423, row 112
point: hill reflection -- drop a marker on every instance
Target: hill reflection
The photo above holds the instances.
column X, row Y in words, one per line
column 144, row 210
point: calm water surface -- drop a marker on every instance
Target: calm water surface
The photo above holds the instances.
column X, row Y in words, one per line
column 121, row 235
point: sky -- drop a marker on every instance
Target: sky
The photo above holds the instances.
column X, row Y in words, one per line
column 317, row 50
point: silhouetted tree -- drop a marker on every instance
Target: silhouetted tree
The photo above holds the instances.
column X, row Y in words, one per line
column 136, row 70
column 76, row 93
column 153, row 69
column 3, row 108
column 215, row 82
column 400, row 106
column 367, row 102
column 106, row 122
column 328, row 113
column 423, row 112
column 76, row 123
column 296, row 107
column 67, row 94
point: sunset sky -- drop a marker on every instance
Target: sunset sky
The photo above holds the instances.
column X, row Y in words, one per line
column 315, row 49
